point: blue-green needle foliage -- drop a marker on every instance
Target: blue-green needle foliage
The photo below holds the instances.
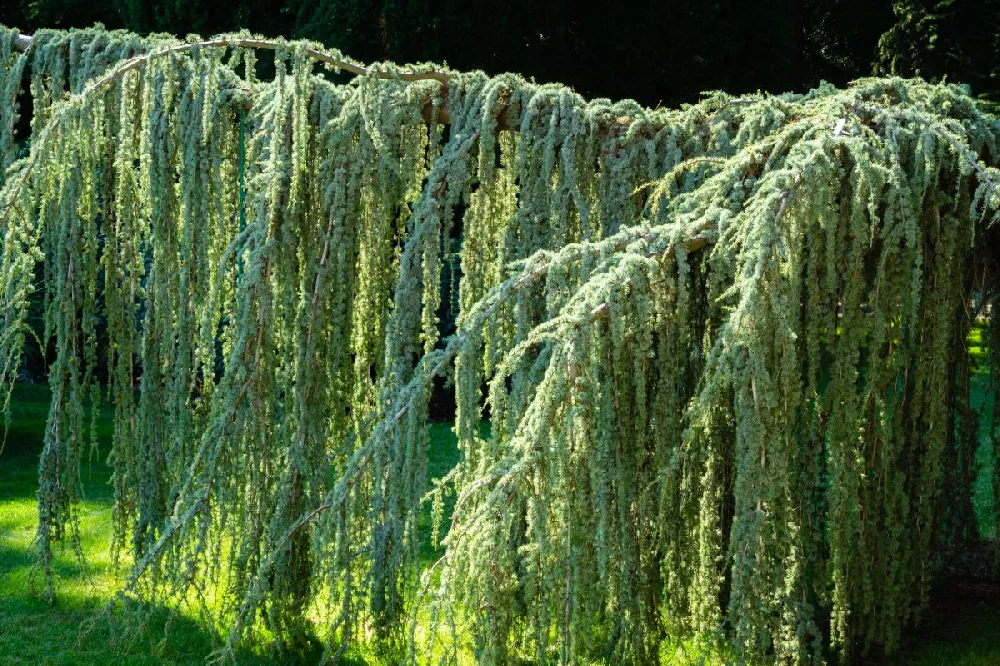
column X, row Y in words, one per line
column 722, row 349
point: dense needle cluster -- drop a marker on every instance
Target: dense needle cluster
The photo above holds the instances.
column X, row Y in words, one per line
column 710, row 364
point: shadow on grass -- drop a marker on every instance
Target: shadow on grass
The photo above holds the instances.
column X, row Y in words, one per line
column 72, row 632
column 962, row 622
column 32, row 631
column 75, row 629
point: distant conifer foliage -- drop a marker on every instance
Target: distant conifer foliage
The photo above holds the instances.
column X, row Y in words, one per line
column 722, row 349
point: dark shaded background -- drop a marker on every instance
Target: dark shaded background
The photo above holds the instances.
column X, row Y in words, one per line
column 656, row 52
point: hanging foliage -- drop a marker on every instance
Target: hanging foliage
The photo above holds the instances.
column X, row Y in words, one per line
column 710, row 364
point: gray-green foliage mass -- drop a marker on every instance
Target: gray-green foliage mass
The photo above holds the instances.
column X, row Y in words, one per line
column 721, row 349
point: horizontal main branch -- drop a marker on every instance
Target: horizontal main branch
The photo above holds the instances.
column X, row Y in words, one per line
column 23, row 43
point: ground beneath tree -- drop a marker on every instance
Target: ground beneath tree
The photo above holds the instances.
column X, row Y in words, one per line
column 961, row 628
column 962, row 623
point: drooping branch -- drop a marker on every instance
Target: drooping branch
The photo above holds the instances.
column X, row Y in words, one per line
column 442, row 115
column 23, row 43
column 670, row 425
column 432, row 366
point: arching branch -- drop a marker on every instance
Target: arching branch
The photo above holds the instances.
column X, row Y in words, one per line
column 24, row 42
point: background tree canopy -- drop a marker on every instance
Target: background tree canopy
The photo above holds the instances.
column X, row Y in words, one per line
column 655, row 52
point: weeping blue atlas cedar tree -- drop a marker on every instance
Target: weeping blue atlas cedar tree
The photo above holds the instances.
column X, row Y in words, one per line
column 710, row 364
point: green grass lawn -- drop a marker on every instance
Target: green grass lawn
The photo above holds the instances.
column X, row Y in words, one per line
column 965, row 632
column 32, row 632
